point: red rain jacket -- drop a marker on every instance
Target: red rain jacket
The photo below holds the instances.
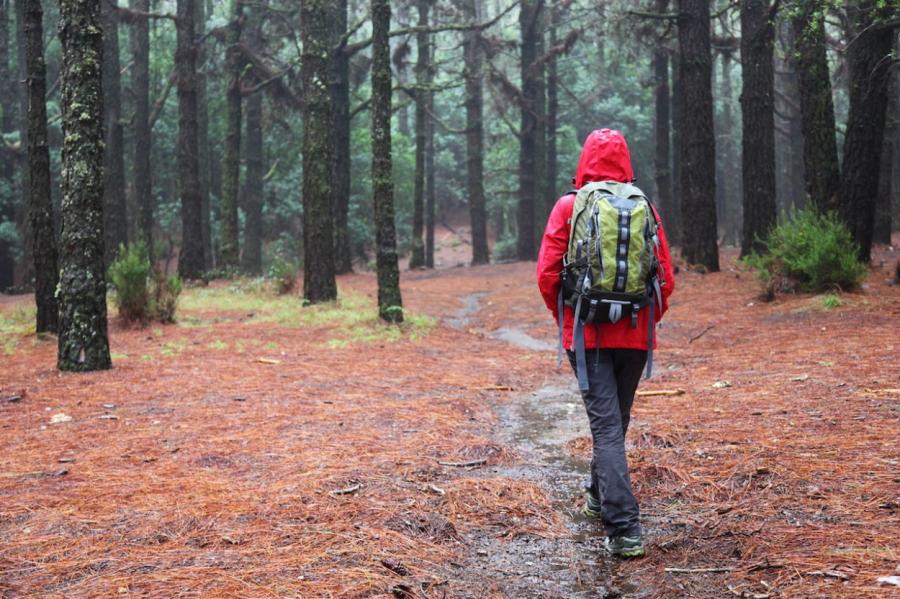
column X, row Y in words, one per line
column 605, row 157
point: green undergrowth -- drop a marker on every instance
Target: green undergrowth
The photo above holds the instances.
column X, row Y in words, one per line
column 15, row 324
column 352, row 319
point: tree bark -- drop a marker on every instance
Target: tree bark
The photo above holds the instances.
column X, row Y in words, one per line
column 868, row 59
column 673, row 229
column 8, row 118
column 423, row 73
column 318, row 262
column 254, row 186
column 430, row 195
column 231, row 163
column 758, row 114
column 697, row 138
column 83, row 342
column 472, row 57
column 883, row 206
column 203, row 149
column 343, row 253
column 190, row 262
column 732, row 188
column 40, row 205
column 389, row 299
column 551, row 169
column 820, row 157
column 142, row 136
column 116, row 225
column 662, row 118
column 529, row 18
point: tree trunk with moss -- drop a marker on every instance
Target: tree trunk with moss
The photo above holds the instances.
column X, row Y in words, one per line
column 389, row 300
column 190, row 261
column 473, row 59
column 868, row 61
column 142, row 137
column 820, row 157
column 83, row 342
column 254, row 186
column 40, row 205
column 758, row 115
column 231, row 163
column 115, row 210
column 343, row 254
column 203, row 150
column 318, row 238
column 417, row 250
column 696, row 137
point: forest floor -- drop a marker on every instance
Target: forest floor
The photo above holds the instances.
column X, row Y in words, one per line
column 261, row 449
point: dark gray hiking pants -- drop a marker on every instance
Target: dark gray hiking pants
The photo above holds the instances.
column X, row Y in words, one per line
column 613, row 375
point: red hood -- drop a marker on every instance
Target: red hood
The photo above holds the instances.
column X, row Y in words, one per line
column 605, row 157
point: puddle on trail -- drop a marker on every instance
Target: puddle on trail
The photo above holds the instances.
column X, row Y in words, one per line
column 538, row 425
column 462, row 318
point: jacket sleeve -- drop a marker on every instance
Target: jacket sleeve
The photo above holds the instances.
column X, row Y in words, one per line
column 665, row 262
column 553, row 246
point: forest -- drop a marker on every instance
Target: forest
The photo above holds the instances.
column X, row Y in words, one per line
column 288, row 248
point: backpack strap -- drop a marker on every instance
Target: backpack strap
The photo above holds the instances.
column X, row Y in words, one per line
column 578, row 342
column 650, row 328
column 559, row 312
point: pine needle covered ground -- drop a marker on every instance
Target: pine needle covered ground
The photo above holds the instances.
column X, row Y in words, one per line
column 260, row 449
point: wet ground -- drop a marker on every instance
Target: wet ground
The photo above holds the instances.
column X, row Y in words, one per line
column 537, row 425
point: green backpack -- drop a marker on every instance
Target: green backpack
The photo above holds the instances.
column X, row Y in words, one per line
column 610, row 270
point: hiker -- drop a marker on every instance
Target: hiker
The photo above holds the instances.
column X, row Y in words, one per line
column 604, row 255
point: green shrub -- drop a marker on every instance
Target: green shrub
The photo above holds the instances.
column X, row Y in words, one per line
column 165, row 297
column 809, row 252
column 283, row 274
column 830, row 301
column 142, row 294
column 129, row 275
column 504, row 250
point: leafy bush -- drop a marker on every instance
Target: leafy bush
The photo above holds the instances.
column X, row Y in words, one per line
column 141, row 293
column 809, row 252
column 504, row 250
column 165, row 297
column 130, row 274
column 283, row 274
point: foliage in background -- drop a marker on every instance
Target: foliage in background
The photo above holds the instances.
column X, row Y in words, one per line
column 142, row 294
column 809, row 252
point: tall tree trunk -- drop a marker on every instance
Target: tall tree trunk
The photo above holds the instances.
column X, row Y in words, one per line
column 820, row 157
column 343, row 254
column 883, row 206
column 662, row 118
column 552, row 170
column 116, row 225
column 20, row 210
column 8, row 118
column 895, row 166
column 472, row 56
column 389, row 300
column 142, row 136
column 254, row 186
column 203, row 149
column 758, row 113
column 423, row 72
column 83, row 342
column 231, row 163
column 697, row 138
column 868, row 59
column 318, row 261
column 544, row 200
column 730, row 209
column 40, row 205
column 529, row 19
column 190, row 262
column 430, row 196
column 674, row 218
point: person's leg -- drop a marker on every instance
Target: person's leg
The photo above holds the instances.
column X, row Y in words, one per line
column 629, row 367
column 609, row 471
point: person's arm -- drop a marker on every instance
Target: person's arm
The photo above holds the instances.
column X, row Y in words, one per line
column 665, row 263
column 553, row 246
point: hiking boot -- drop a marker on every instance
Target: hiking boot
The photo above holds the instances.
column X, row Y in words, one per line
column 625, row 547
column 592, row 506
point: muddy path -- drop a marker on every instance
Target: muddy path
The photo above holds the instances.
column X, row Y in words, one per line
column 537, row 425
